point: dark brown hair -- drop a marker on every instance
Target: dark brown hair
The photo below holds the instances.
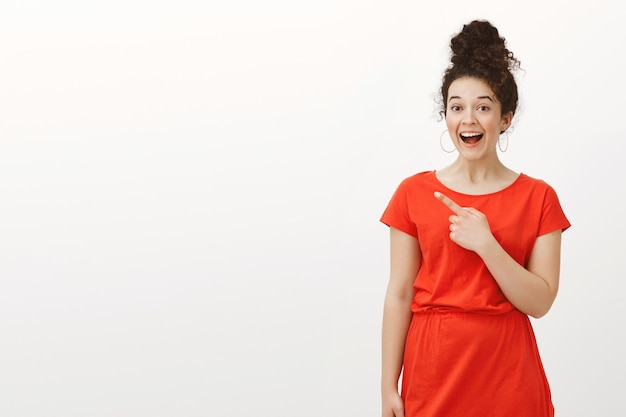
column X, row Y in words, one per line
column 478, row 51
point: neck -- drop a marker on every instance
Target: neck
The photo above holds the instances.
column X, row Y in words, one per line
column 478, row 171
column 474, row 177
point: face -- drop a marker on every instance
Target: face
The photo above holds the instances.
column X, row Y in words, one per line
column 474, row 118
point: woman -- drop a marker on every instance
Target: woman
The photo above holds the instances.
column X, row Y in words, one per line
column 475, row 250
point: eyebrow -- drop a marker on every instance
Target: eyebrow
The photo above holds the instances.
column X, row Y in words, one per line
column 480, row 98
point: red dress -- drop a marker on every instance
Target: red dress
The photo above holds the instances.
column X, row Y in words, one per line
column 469, row 351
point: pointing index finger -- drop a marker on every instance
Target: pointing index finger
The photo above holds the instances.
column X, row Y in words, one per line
column 448, row 202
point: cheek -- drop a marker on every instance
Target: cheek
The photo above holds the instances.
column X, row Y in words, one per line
column 496, row 125
column 451, row 124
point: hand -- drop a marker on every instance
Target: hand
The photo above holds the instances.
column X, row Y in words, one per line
column 469, row 227
column 393, row 406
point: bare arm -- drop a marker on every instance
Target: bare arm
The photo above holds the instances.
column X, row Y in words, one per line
column 405, row 262
column 531, row 289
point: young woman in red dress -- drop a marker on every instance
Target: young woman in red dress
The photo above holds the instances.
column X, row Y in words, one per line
column 475, row 250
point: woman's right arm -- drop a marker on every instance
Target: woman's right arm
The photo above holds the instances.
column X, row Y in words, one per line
column 405, row 261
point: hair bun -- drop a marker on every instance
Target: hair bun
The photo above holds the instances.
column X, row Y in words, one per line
column 480, row 45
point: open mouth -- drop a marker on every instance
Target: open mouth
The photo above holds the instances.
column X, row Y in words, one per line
column 471, row 137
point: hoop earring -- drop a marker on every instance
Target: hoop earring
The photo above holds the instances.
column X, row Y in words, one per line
column 506, row 135
column 441, row 142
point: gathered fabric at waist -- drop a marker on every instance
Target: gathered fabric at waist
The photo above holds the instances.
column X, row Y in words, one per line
column 470, row 364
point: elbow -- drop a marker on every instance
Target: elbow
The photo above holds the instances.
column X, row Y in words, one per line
column 542, row 304
column 401, row 298
column 538, row 314
column 540, row 310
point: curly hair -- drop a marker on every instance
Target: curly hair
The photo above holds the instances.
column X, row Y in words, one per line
column 478, row 51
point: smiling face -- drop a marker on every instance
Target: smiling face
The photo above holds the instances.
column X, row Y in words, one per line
column 474, row 118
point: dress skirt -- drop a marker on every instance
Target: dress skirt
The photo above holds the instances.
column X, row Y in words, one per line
column 459, row 364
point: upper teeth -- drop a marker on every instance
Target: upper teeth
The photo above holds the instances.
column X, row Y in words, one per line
column 470, row 134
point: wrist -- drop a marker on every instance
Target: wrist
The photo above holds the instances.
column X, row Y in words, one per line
column 389, row 388
column 490, row 247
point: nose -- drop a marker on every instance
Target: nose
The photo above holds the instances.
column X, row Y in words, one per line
column 468, row 117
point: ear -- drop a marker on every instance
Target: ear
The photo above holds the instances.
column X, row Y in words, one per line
column 506, row 120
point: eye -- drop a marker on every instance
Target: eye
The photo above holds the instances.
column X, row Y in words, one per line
column 455, row 107
column 483, row 108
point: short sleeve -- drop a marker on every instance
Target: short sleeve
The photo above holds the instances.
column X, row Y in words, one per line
column 397, row 212
column 552, row 215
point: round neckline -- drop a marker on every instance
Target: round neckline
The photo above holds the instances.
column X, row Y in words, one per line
column 509, row 186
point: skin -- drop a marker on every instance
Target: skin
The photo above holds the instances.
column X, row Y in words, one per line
column 472, row 108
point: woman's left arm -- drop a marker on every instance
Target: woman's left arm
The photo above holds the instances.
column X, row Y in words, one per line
column 531, row 289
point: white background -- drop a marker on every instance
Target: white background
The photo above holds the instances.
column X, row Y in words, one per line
column 190, row 196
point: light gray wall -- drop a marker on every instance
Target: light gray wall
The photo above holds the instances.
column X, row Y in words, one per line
column 191, row 193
